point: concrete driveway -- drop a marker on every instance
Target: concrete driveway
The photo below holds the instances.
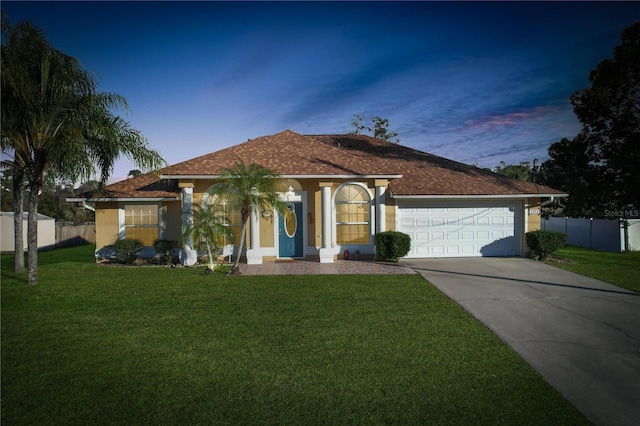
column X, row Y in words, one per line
column 582, row 335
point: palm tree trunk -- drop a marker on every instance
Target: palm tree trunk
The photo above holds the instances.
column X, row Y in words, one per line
column 236, row 269
column 211, row 265
column 18, row 210
column 32, row 250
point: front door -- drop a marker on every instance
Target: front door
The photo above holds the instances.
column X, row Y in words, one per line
column 290, row 231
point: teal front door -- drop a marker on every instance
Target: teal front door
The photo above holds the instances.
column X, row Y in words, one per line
column 290, row 231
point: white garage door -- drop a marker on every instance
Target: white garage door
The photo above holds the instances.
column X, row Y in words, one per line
column 461, row 229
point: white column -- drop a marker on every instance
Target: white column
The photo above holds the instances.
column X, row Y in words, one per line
column 190, row 256
column 326, row 252
column 380, row 209
column 254, row 253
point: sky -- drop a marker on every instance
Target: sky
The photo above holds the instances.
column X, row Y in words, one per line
column 475, row 82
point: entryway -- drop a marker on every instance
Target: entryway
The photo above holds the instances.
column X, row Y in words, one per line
column 290, row 231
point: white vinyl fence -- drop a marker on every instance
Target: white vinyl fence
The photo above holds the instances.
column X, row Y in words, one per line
column 600, row 234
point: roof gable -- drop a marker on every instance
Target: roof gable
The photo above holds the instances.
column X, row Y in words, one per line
column 288, row 153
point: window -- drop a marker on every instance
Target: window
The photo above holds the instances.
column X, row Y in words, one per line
column 228, row 214
column 353, row 212
column 141, row 222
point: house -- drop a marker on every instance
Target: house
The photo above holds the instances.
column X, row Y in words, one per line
column 341, row 190
column 46, row 232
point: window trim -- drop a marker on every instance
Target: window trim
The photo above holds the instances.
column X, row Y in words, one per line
column 122, row 227
column 335, row 223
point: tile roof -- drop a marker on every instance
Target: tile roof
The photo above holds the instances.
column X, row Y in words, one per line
column 291, row 154
column 147, row 185
column 427, row 174
column 287, row 153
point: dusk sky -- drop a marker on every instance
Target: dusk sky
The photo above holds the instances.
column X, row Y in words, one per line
column 475, row 82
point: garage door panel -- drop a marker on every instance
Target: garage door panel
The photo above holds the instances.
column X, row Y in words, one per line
column 470, row 230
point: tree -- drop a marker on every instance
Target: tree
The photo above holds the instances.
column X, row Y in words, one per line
column 204, row 228
column 253, row 188
column 54, row 120
column 380, row 129
column 520, row 171
column 607, row 150
column 569, row 169
column 134, row 173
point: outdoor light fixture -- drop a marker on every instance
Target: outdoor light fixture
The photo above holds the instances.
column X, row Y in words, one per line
column 290, row 192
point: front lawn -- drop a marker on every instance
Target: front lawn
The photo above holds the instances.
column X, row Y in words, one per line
column 621, row 269
column 122, row 345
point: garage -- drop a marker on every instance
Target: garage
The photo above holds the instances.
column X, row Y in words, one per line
column 461, row 229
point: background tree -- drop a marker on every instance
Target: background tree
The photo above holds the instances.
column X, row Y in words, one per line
column 253, row 188
column 204, row 229
column 570, row 169
column 520, row 171
column 134, row 173
column 54, row 120
column 601, row 163
column 379, row 128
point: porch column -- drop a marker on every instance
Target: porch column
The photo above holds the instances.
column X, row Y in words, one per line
column 254, row 253
column 188, row 256
column 326, row 252
column 381, row 187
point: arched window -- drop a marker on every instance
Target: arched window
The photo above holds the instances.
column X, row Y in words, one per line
column 353, row 214
column 227, row 212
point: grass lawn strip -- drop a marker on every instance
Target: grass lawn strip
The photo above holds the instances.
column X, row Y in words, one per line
column 621, row 269
column 96, row 345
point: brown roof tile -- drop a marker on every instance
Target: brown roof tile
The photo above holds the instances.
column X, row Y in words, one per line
column 144, row 186
column 427, row 174
column 292, row 154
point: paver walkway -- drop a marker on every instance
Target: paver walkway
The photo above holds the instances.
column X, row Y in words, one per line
column 313, row 267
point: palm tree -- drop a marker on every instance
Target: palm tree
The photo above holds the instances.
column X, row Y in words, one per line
column 54, row 120
column 252, row 187
column 204, row 228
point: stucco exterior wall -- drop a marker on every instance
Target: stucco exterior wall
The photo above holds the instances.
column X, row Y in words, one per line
column 534, row 215
column 390, row 212
column 107, row 227
column 172, row 221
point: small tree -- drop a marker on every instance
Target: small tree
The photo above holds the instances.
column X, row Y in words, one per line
column 204, row 229
column 252, row 187
column 380, row 128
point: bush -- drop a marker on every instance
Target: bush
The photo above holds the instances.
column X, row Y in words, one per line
column 165, row 250
column 543, row 243
column 127, row 250
column 392, row 245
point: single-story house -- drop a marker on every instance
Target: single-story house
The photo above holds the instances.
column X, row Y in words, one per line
column 340, row 190
column 46, row 232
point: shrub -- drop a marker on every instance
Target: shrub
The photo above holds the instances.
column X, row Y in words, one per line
column 392, row 245
column 127, row 250
column 165, row 250
column 543, row 243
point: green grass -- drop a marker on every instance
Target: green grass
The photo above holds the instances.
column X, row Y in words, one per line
column 621, row 269
column 122, row 345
